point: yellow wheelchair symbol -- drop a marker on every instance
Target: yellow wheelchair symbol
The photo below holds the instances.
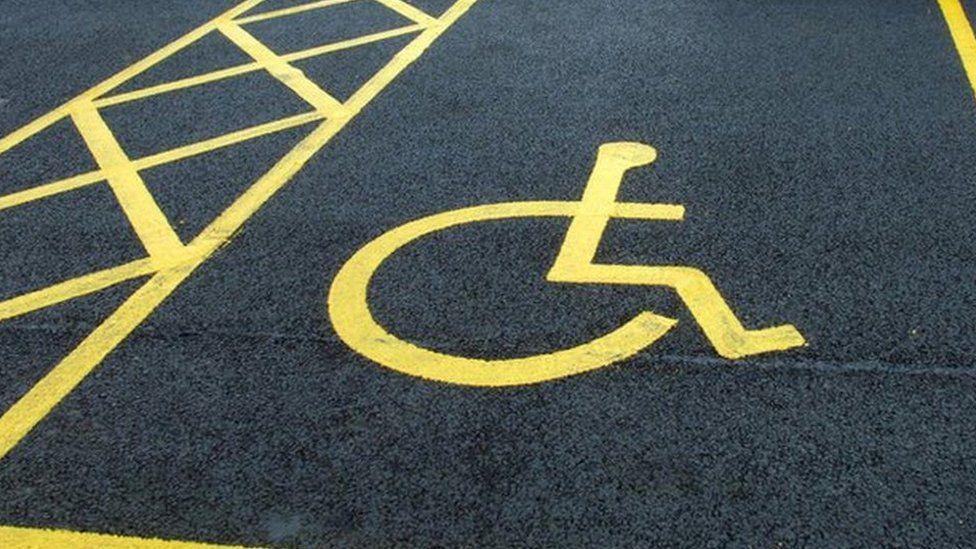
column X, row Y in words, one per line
column 356, row 326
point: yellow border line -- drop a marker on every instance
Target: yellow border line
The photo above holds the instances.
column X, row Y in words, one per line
column 16, row 537
column 962, row 35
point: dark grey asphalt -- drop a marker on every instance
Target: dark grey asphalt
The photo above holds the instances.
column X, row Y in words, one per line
column 825, row 153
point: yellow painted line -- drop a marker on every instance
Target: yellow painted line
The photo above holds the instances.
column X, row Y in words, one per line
column 76, row 287
column 660, row 212
column 18, row 421
column 962, row 35
column 408, row 11
column 183, row 83
column 231, row 72
column 289, row 11
column 351, row 43
column 50, row 189
column 280, row 69
column 148, row 220
column 13, row 537
column 201, row 147
column 15, row 138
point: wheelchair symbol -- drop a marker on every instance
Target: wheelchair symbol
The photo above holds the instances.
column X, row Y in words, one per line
column 355, row 325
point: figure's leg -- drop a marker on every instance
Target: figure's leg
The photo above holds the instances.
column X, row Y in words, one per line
column 717, row 320
column 719, row 323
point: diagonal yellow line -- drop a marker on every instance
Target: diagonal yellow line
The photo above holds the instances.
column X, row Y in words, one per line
column 280, row 69
column 15, row 138
column 50, row 189
column 76, row 287
column 289, row 11
column 180, row 84
column 351, row 43
column 225, row 140
column 15, row 537
column 408, row 11
column 962, row 35
column 149, row 222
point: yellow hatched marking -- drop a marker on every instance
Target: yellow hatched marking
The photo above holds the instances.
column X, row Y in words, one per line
column 21, row 418
column 289, row 11
column 408, row 11
column 12, row 537
column 280, row 69
column 231, row 72
column 147, row 219
column 172, row 155
column 121, row 77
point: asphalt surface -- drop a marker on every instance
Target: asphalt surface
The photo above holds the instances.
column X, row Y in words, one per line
column 824, row 152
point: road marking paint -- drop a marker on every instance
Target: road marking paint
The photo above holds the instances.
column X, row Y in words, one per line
column 352, row 42
column 408, row 11
column 962, row 36
column 175, row 85
column 158, row 159
column 355, row 325
column 44, row 121
column 21, row 418
column 148, row 220
column 575, row 262
column 301, row 8
column 226, row 140
column 14, row 537
column 75, row 287
column 239, row 70
column 288, row 75
column 49, row 189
